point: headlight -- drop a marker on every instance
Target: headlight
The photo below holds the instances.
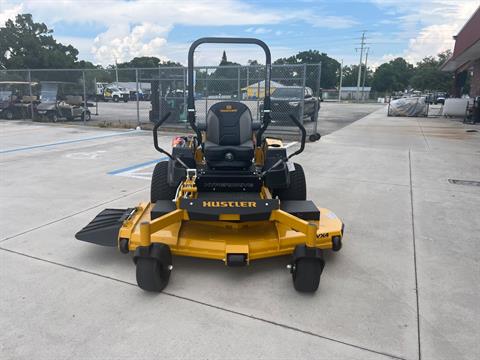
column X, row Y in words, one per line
column 293, row 103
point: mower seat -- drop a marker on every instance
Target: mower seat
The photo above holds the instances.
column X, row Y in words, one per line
column 229, row 130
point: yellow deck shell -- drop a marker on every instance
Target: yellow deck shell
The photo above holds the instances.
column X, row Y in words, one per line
column 216, row 239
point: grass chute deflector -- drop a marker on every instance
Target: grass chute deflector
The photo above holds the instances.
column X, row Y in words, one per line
column 226, row 193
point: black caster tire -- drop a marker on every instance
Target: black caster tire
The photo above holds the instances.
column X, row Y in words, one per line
column 314, row 137
column 123, row 246
column 336, row 243
column 306, row 274
column 152, row 275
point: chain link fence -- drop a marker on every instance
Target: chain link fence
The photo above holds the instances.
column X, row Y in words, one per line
column 139, row 97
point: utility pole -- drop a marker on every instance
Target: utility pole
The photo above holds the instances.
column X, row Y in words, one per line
column 365, row 75
column 362, row 44
column 341, row 80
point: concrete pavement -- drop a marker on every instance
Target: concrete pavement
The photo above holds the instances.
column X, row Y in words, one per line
column 405, row 284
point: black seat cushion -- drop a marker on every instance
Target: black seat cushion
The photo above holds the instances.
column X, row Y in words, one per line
column 229, row 135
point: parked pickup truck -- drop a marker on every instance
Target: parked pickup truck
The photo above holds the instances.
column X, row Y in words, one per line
column 288, row 100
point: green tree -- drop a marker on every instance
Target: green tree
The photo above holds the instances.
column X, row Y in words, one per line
column 27, row 44
column 147, row 62
column 392, row 76
column 350, row 76
column 330, row 68
column 428, row 76
column 224, row 80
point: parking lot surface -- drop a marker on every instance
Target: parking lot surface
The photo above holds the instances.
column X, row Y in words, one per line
column 405, row 284
column 332, row 115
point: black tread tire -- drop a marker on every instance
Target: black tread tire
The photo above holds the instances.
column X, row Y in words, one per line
column 53, row 117
column 306, row 275
column 151, row 274
column 86, row 116
column 116, row 98
column 9, row 115
column 160, row 189
column 298, row 186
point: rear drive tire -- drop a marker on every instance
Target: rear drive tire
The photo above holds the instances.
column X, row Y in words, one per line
column 306, row 274
column 152, row 275
column 298, row 187
column 115, row 98
column 160, row 189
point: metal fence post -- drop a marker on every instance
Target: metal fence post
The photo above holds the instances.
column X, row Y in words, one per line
column 84, row 99
column 138, row 103
column 184, row 74
column 259, row 116
column 238, row 83
column 30, row 92
column 319, row 96
column 206, row 93
column 96, row 95
column 319, row 78
column 303, row 93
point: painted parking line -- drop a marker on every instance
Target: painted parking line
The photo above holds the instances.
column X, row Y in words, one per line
column 286, row 146
column 63, row 142
column 133, row 171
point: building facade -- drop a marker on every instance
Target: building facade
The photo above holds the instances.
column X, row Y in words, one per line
column 465, row 61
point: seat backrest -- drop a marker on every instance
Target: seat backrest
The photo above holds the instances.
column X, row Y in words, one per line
column 229, row 123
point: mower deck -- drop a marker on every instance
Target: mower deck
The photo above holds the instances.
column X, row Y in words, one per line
column 213, row 239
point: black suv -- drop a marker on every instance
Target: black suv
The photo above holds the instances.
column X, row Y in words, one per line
column 288, row 100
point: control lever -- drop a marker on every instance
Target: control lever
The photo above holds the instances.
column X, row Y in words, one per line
column 155, row 141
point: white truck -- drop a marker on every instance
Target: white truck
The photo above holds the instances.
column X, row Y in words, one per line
column 112, row 92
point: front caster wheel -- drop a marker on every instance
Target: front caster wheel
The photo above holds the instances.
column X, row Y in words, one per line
column 336, row 243
column 153, row 272
column 306, row 274
column 152, row 275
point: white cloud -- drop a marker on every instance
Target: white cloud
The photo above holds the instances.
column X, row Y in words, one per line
column 428, row 26
column 8, row 12
column 136, row 28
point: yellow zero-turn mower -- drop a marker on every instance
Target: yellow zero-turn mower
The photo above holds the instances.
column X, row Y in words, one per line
column 227, row 193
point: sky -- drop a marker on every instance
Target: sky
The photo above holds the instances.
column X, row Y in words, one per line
column 106, row 30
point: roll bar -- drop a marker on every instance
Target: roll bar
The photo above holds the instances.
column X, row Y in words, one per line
column 191, row 87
